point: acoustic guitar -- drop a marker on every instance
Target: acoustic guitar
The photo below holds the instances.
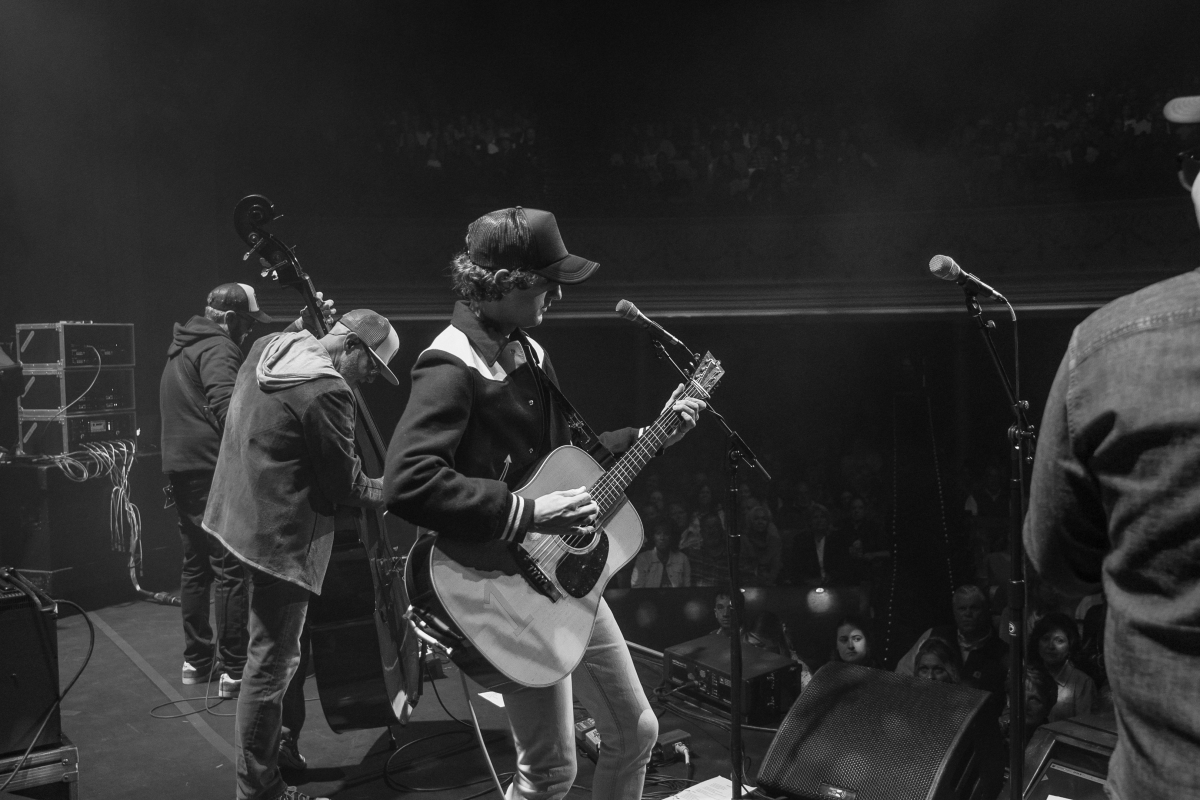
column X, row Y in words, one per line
column 520, row 615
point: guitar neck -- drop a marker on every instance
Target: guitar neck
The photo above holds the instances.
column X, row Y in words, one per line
column 612, row 485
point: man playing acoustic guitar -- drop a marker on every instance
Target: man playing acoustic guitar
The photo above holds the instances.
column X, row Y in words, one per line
column 479, row 421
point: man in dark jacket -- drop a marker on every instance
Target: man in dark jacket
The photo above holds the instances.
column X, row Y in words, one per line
column 202, row 364
column 287, row 463
column 483, row 412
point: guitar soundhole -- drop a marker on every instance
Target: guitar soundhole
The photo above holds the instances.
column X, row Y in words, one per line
column 577, row 573
column 579, row 541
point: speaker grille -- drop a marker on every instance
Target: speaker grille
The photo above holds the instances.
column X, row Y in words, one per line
column 879, row 735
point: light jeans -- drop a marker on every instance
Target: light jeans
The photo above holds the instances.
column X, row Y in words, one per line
column 543, row 724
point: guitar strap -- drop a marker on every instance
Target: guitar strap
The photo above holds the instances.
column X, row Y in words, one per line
column 582, row 435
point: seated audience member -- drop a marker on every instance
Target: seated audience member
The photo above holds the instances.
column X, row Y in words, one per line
column 819, row 554
column 938, row 661
column 649, row 514
column 683, row 527
column 852, row 643
column 1041, row 694
column 761, row 557
column 1052, row 643
column 707, row 503
column 869, row 548
column 723, row 611
column 662, row 567
column 710, row 559
column 985, row 657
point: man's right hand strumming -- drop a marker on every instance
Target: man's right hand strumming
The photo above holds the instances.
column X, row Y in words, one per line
column 565, row 513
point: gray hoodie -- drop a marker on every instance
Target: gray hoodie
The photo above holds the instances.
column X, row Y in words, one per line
column 287, row 461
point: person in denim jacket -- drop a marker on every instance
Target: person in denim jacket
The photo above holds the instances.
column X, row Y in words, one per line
column 286, row 466
column 1115, row 501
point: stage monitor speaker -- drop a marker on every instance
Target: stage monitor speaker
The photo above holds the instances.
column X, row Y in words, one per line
column 29, row 668
column 865, row 734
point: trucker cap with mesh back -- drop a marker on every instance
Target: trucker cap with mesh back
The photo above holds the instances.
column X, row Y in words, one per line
column 237, row 297
column 376, row 333
column 528, row 239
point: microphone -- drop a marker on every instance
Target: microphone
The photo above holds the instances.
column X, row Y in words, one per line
column 944, row 267
column 629, row 311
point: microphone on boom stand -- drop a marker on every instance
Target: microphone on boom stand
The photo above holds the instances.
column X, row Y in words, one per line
column 629, row 311
column 944, row 267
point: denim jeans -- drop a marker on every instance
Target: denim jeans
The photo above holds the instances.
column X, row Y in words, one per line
column 272, row 692
column 543, row 724
column 206, row 563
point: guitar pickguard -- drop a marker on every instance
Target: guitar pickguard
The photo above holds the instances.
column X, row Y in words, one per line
column 577, row 573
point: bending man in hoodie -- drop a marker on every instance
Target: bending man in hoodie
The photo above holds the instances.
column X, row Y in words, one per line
column 286, row 465
column 193, row 398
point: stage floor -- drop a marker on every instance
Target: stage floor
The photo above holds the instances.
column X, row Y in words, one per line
column 126, row 753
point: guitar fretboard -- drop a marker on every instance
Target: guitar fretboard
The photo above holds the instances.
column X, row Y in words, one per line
column 610, row 488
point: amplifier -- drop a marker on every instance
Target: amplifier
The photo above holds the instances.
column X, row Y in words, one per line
column 770, row 682
column 49, row 433
column 53, row 389
column 75, row 344
column 1069, row 758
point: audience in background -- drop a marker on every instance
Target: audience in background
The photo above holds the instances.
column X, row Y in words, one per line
column 852, row 642
column 819, row 554
column 761, row 557
column 723, row 611
column 938, row 661
column 709, row 555
column 985, row 657
column 1052, row 643
column 1041, row 694
column 662, row 567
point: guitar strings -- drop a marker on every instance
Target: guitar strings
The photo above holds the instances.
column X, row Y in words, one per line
column 610, row 487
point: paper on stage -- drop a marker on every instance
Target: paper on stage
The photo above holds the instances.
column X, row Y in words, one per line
column 718, row 788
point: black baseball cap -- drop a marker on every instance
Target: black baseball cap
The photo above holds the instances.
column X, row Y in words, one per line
column 238, row 297
column 525, row 238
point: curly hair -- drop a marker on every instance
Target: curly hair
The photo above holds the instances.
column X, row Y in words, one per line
column 473, row 282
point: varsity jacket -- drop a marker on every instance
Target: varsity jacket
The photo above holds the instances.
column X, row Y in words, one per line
column 472, row 432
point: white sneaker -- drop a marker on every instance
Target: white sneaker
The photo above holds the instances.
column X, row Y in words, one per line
column 229, row 687
column 193, row 675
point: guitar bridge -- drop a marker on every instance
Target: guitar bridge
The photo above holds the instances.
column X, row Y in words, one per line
column 534, row 575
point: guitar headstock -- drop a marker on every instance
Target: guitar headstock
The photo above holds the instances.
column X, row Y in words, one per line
column 707, row 375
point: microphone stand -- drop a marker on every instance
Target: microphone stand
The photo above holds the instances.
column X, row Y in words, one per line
column 1021, row 436
column 737, row 452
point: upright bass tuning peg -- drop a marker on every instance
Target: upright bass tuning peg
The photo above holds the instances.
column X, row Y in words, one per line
column 259, row 241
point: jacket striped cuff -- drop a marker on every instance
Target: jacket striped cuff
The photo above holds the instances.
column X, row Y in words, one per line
column 520, row 515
